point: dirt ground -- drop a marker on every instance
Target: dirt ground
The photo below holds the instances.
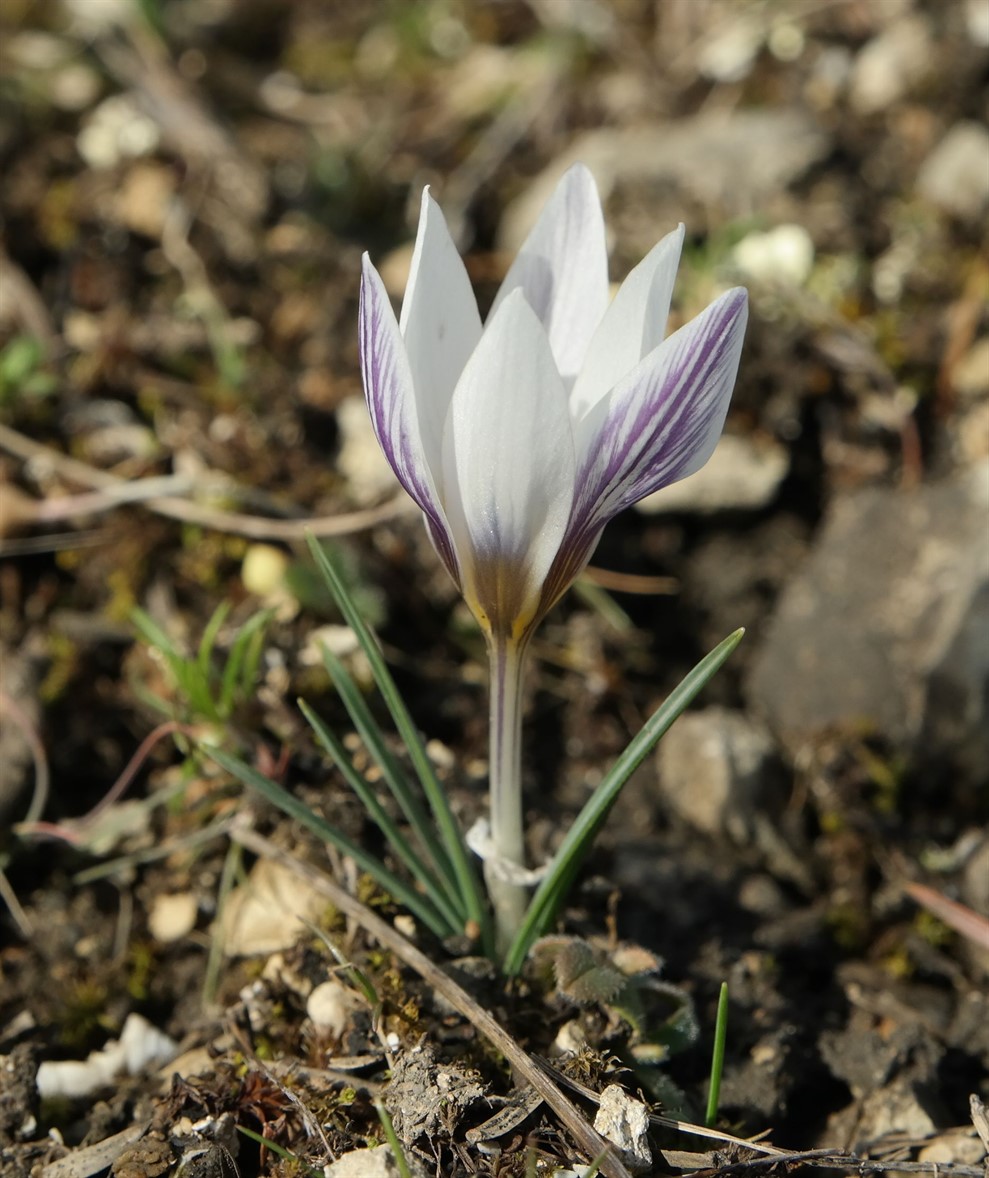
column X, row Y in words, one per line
column 187, row 188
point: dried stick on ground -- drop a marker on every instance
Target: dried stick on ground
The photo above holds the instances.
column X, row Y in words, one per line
column 254, row 527
column 589, row 1140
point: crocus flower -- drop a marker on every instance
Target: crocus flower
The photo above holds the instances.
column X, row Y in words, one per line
column 521, row 437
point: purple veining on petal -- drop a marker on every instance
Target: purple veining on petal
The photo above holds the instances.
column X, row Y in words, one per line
column 443, row 544
column 647, row 438
column 677, row 419
column 390, row 398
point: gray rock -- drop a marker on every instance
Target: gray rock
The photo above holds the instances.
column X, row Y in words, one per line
column 887, row 624
column 736, row 162
column 716, row 772
column 955, row 176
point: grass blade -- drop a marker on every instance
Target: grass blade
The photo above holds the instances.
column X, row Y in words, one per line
column 241, row 667
column 394, row 777
column 468, row 882
column 567, row 860
column 717, row 1056
column 204, row 655
column 392, row 1138
column 396, row 839
column 290, row 805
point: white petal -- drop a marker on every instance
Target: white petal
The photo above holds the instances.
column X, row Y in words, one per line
column 509, row 461
column 440, row 323
column 563, row 269
column 662, row 421
column 391, row 401
column 633, row 325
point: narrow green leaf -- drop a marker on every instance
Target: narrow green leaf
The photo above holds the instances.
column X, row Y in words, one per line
column 392, row 772
column 396, row 839
column 204, row 655
column 717, row 1056
column 240, row 670
column 567, row 860
column 392, row 1138
column 467, row 879
column 290, row 805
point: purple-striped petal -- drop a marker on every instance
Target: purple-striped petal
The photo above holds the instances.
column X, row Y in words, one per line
column 632, row 326
column 508, row 467
column 658, row 425
column 663, row 420
column 439, row 323
column 391, row 401
column 562, row 269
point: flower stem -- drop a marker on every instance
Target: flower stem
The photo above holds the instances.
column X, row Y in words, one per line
column 508, row 898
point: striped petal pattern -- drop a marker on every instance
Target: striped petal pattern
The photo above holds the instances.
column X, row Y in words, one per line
column 522, row 439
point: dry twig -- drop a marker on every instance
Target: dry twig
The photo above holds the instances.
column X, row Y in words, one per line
column 589, row 1140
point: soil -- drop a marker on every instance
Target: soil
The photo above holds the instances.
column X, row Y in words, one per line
column 181, row 300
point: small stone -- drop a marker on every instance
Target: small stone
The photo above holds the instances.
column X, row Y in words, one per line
column 173, row 917
column 330, row 1006
column 977, row 22
column 893, row 1110
column 715, row 771
column 743, row 474
column 891, row 64
column 268, row 913
column 624, row 1121
column 117, row 129
column 975, row 879
column 970, row 376
column 958, row 1147
column 955, row 176
column 144, row 198
column 140, row 1045
column 377, row 1162
column 782, row 256
column 263, row 570
column 728, row 53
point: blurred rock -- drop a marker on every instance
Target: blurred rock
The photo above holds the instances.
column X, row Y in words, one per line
column 729, row 52
column 263, row 570
column 970, row 377
column 975, row 879
column 955, row 176
column 716, row 771
column 888, row 624
column 116, row 130
column 957, row 1147
column 891, row 64
column 783, row 256
column 144, row 198
column 21, row 713
column 172, row 916
column 743, row 474
column 977, row 22
column 735, row 162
